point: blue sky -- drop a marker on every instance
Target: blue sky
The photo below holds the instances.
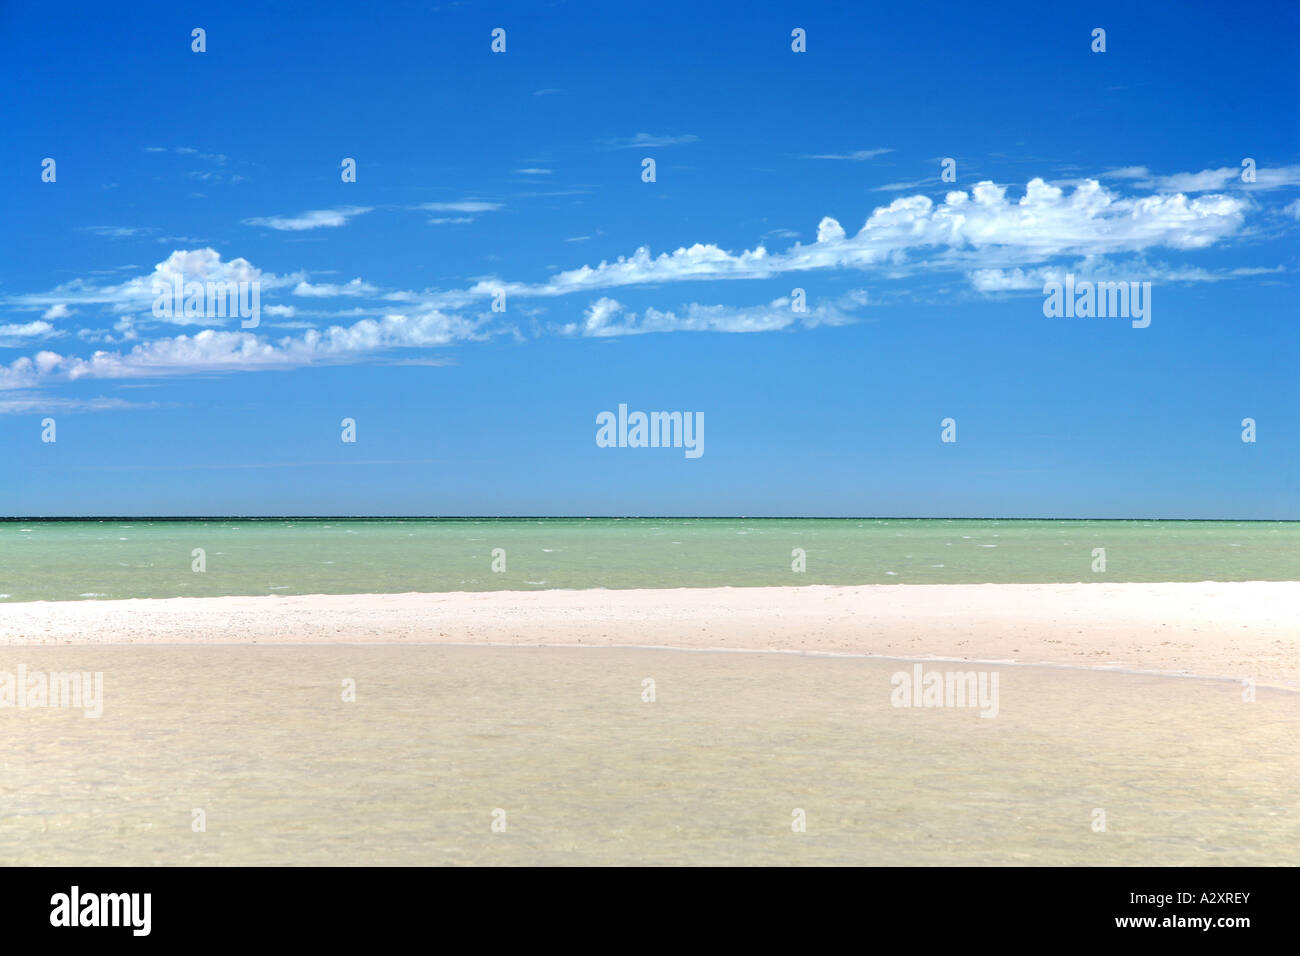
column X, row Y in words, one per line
column 775, row 170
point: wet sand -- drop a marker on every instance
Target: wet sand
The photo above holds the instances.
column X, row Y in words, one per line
column 587, row 771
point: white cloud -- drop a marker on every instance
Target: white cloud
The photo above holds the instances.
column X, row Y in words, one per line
column 314, row 219
column 18, row 335
column 467, row 205
column 648, row 141
column 326, row 290
column 828, row 230
column 18, row 403
column 1001, row 243
column 904, row 186
column 1007, row 280
column 980, row 229
column 856, row 156
column 1207, row 180
column 1099, row 269
column 117, row 232
column 222, row 351
column 137, row 294
column 608, row 317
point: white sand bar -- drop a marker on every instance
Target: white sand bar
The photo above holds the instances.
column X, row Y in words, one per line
column 1238, row 630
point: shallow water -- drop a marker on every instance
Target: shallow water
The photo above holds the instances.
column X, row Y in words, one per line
column 87, row 560
column 439, row 737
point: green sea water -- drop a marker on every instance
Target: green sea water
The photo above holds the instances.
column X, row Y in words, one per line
column 124, row 558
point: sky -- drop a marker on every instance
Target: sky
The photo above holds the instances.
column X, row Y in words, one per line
column 501, row 272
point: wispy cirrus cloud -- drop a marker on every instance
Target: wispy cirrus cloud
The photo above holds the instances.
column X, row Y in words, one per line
column 608, row 317
column 20, row 403
column 326, row 290
column 313, row 219
column 219, row 158
column 474, row 206
column 1208, row 180
column 465, row 205
column 18, row 335
column 857, row 156
column 118, row 232
column 1098, row 269
column 649, row 141
column 904, row 186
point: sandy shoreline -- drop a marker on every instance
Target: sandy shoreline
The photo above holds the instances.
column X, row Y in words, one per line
column 411, row 772
column 1235, row 629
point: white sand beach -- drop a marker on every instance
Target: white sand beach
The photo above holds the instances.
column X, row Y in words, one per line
column 1237, row 629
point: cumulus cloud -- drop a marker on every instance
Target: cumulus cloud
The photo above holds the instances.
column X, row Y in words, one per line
column 138, row 294
column 229, row 351
column 980, row 229
column 1001, row 242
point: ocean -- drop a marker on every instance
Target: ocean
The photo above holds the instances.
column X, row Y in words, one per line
column 58, row 560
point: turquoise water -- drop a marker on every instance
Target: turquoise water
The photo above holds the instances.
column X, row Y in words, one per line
column 106, row 559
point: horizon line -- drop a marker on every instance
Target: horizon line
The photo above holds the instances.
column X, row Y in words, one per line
column 578, row 517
